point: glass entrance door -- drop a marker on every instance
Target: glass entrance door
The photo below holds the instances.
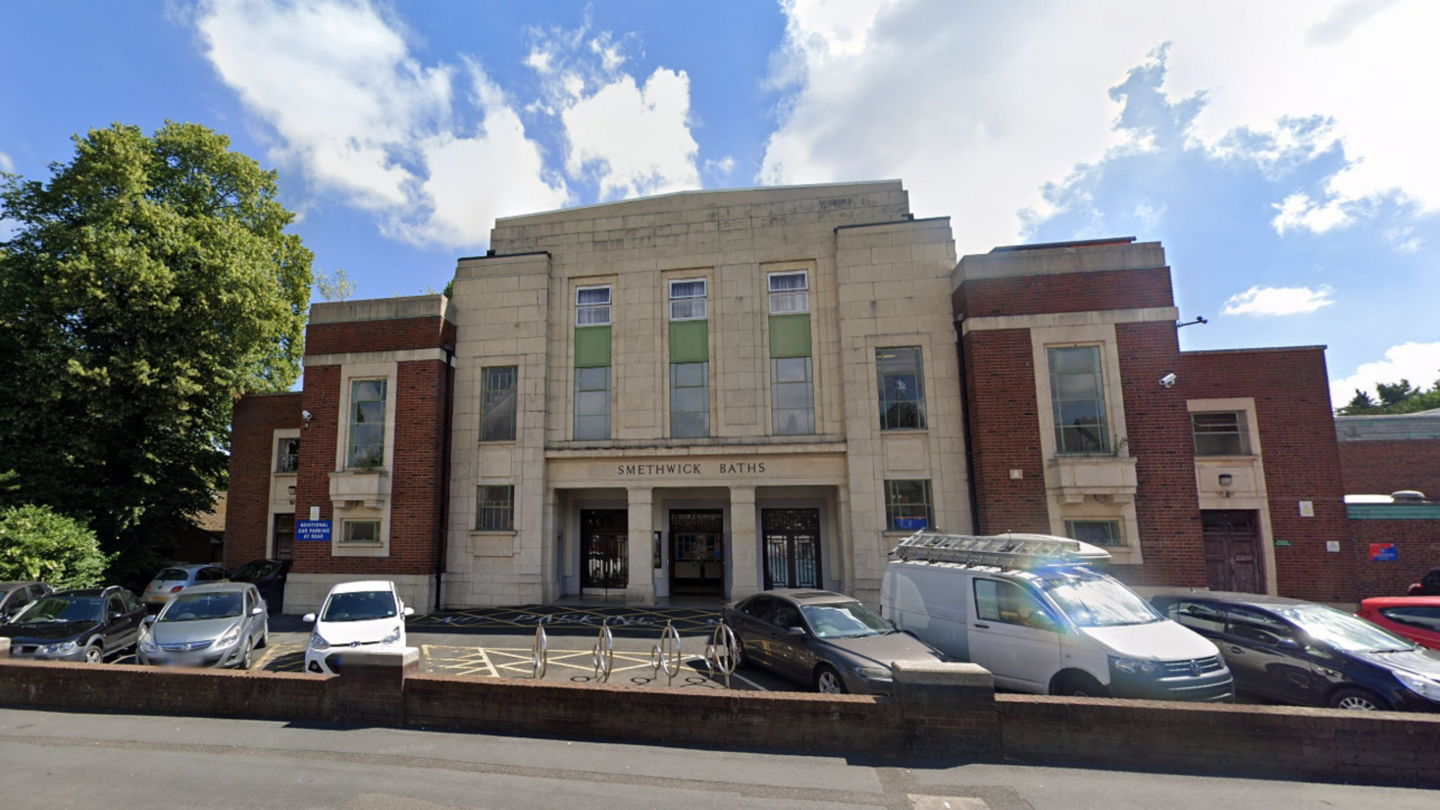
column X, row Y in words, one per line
column 697, row 552
column 604, row 548
column 792, row 547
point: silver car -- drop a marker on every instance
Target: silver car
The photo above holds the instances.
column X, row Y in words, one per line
column 217, row 625
column 177, row 578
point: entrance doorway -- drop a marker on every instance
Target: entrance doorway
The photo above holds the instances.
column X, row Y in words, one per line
column 604, row 548
column 792, row 547
column 284, row 540
column 697, row 552
column 1232, row 550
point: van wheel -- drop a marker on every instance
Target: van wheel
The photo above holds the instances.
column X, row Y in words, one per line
column 1360, row 700
column 1078, row 684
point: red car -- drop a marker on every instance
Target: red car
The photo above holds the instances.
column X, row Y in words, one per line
column 1414, row 617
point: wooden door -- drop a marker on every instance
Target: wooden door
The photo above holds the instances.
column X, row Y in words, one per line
column 1232, row 550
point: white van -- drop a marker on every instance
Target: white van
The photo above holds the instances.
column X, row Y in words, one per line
column 1026, row 607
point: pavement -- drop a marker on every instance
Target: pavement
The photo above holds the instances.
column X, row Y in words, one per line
column 71, row 760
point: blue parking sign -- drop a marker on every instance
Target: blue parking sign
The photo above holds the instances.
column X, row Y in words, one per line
column 312, row 530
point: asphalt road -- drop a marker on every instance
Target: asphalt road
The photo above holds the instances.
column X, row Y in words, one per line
column 60, row 760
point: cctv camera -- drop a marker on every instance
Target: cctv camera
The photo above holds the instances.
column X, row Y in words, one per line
column 306, row 414
column 1168, row 380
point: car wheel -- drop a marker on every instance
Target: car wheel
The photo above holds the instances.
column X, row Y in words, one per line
column 94, row 654
column 741, row 659
column 265, row 636
column 828, row 681
column 1360, row 700
column 1078, row 684
column 249, row 658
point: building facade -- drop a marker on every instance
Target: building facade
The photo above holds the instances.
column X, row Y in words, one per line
column 707, row 394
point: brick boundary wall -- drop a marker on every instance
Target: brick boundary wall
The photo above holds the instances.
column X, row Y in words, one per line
column 1417, row 543
column 1383, row 467
column 932, row 718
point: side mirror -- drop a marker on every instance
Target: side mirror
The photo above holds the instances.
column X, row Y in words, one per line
column 409, row 611
column 115, row 617
column 797, row 631
column 1287, row 643
column 256, row 611
column 308, row 618
column 148, row 620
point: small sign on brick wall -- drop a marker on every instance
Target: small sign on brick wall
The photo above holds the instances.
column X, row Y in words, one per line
column 1384, row 552
column 312, row 530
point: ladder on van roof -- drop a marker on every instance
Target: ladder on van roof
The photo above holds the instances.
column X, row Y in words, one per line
column 1001, row 550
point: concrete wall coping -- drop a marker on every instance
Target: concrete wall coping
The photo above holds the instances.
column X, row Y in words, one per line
column 939, row 673
column 699, row 198
column 381, row 309
column 1059, row 261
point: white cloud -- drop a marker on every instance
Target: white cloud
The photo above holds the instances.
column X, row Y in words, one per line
column 351, row 107
column 632, row 139
column 1278, row 301
column 1417, row 362
column 6, row 164
column 977, row 106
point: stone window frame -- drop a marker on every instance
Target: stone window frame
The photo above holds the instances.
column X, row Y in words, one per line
column 347, row 523
column 771, row 292
column 1118, row 534
column 891, row 506
column 514, row 402
column 386, row 429
column 703, row 298
column 712, row 371
column 281, row 455
column 390, row 370
column 1045, row 337
column 1241, row 432
column 1107, row 441
column 502, row 508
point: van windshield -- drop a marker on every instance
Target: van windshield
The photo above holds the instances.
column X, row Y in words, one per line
column 1092, row 600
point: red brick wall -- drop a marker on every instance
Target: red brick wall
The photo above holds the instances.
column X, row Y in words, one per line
column 415, row 478
column 1157, row 425
column 1302, row 462
column 1383, row 467
column 1005, row 431
column 398, row 334
column 1417, row 543
column 1064, row 292
column 252, row 457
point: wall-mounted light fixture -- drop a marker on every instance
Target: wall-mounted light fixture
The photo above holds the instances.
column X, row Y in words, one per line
column 291, row 489
column 1226, row 479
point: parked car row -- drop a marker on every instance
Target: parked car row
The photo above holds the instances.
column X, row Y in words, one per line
column 1030, row 610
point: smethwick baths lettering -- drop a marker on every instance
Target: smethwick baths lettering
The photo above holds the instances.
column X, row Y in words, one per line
column 720, row 468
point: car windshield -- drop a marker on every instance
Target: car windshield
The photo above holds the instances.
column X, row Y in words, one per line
column 844, row 620
column 1092, row 600
column 359, row 606
column 56, row 609
column 1343, row 631
column 255, row 571
column 172, row 575
column 195, row 607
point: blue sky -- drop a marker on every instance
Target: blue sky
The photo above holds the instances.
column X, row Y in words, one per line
column 1282, row 151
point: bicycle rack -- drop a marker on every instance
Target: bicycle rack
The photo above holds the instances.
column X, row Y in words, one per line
column 665, row 656
column 539, row 654
column 722, row 654
column 602, row 657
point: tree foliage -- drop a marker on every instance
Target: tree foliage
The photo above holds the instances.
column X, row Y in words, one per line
column 338, row 287
column 1394, row 398
column 36, row 544
column 148, row 283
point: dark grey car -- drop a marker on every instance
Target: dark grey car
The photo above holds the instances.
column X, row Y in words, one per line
column 827, row 641
column 217, row 625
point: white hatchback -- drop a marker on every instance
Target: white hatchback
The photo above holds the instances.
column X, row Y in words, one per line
column 356, row 616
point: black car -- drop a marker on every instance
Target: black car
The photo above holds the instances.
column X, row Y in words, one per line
column 1300, row 652
column 16, row 595
column 268, row 577
column 83, row 625
column 827, row 641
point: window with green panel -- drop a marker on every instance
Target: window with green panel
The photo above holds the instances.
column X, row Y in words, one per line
column 689, row 400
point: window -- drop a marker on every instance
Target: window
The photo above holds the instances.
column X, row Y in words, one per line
column 1095, row 532
column 901, row 381
column 497, row 403
column 689, row 400
column 1198, row 616
column 1421, row 618
column 116, row 606
column 687, row 300
column 999, row 601
column 1220, row 434
column 592, row 306
column 287, row 456
column 792, row 396
column 361, row 531
column 496, row 509
column 1077, row 394
column 907, row 506
column 592, row 403
column 367, row 423
column 789, row 292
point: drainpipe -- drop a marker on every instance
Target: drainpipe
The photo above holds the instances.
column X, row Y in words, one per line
column 965, row 426
column 442, row 546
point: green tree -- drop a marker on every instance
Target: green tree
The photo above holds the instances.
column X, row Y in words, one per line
column 338, row 287
column 148, row 283
column 36, row 544
column 1395, row 398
